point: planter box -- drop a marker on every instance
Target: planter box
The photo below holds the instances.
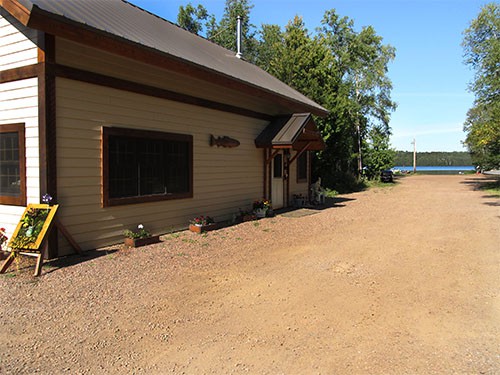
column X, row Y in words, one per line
column 138, row 242
column 299, row 202
column 203, row 228
column 248, row 218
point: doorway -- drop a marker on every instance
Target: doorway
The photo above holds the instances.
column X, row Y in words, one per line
column 277, row 172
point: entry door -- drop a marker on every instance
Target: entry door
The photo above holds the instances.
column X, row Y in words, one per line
column 277, row 181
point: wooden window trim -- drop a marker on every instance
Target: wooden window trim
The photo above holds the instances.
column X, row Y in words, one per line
column 303, row 180
column 21, row 199
column 106, row 201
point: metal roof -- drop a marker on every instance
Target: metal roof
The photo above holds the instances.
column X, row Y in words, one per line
column 295, row 131
column 122, row 19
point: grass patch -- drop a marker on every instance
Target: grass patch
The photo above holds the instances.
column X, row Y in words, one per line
column 491, row 187
column 378, row 184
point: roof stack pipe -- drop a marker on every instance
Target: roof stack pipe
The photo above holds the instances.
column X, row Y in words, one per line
column 239, row 55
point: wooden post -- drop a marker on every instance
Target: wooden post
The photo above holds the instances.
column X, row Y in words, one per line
column 414, row 143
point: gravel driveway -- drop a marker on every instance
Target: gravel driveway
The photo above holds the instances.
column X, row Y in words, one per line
column 395, row 280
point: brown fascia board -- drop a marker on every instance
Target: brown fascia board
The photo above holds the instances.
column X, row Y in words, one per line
column 59, row 26
column 17, row 10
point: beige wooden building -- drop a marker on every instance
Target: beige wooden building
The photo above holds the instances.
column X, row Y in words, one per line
column 110, row 110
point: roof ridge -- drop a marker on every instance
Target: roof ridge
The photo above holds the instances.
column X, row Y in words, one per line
column 178, row 26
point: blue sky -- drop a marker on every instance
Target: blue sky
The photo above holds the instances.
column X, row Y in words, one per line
column 429, row 77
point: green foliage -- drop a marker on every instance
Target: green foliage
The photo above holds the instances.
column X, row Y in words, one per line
column 32, row 224
column 340, row 68
column 482, row 52
column 378, row 154
column 455, row 158
column 190, row 18
column 141, row 232
column 224, row 32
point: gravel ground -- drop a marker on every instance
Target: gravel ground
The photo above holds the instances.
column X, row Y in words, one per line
column 396, row 280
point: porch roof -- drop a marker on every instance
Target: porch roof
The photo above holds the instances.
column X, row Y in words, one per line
column 297, row 132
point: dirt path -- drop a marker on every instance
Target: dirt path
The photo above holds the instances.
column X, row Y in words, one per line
column 400, row 280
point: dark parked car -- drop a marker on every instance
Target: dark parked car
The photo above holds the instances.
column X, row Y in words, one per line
column 386, row 176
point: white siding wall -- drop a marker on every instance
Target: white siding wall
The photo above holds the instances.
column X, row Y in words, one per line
column 19, row 104
column 17, row 43
column 224, row 179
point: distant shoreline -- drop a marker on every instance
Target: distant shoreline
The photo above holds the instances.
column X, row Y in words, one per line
column 437, row 169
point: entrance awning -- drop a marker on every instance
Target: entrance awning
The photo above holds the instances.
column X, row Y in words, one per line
column 298, row 132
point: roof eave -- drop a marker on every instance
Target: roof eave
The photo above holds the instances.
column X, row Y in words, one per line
column 37, row 18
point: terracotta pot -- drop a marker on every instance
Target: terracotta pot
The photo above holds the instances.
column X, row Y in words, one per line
column 203, row 228
column 138, row 242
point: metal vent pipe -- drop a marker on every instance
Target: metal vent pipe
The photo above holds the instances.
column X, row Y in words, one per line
column 239, row 55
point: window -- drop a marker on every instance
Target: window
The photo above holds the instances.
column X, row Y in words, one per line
column 278, row 166
column 302, row 164
column 144, row 166
column 12, row 165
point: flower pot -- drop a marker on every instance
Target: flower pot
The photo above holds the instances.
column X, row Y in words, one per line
column 198, row 228
column 260, row 212
column 138, row 242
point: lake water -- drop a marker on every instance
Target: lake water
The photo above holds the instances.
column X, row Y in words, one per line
column 437, row 169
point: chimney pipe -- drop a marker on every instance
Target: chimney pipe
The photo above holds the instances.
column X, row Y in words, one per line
column 239, row 55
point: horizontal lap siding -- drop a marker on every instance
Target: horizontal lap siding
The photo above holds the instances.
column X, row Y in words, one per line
column 19, row 104
column 70, row 54
column 225, row 179
column 17, row 43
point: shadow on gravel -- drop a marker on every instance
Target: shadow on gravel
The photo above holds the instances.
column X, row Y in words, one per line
column 72, row 260
column 24, row 265
column 336, row 202
column 494, row 204
column 491, row 183
column 482, row 182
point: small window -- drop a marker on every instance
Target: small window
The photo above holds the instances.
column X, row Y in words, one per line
column 302, row 167
column 12, row 165
column 278, row 166
column 143, row 166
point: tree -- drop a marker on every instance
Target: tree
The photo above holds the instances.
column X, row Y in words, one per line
column 359, row 100
column 190, row 18
column 481, row 45
column 224, row 33
column 343, row 70
column 379, row 155
column 269, row 47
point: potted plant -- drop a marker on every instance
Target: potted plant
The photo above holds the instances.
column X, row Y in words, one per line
column 139, row 237
column 202, row 224
column 299, row 200
column 261, row 207
column 245, row 216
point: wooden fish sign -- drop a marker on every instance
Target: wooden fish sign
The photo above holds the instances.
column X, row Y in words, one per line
column 223, row 141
